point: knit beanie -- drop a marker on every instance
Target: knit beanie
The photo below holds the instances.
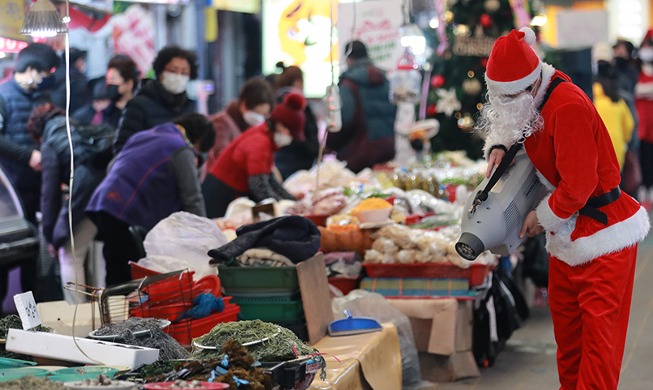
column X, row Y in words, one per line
column 513, row 64
column 290, row 113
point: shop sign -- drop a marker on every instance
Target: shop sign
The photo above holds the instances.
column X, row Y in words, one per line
column 12, row 13
column 247, row 6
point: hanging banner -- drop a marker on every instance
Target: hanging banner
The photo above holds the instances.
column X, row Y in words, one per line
column 12, row 14
column 297, row 32
column 521, row 13
column 375, row 23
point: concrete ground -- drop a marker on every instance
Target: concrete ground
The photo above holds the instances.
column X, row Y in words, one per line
column 528, row 361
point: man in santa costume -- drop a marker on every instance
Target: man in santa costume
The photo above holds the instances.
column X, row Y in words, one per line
column 592, row 228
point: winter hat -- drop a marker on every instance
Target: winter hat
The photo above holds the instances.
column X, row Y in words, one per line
column 648, row 37
column 290, row 113
column 513, row 64
column 99, row 91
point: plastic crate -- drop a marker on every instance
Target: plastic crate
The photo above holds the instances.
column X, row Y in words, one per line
column 286, row 307
column 185, row 331
column 263, row 279
column 345, row 285
column 476, row 273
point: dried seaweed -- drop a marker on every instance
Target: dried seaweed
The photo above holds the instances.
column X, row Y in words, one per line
column 32, row 383
column 155, row 337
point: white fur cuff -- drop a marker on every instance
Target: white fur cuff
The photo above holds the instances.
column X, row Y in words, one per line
column 547, row 219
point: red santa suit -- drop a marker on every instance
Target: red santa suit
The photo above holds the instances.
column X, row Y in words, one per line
column 592, row 262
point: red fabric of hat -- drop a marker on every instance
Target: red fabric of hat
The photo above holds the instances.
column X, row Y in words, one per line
column 290, row 113
column 513, row 64
column 648, row 37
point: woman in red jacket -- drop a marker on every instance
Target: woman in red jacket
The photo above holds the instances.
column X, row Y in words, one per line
column 245, row 167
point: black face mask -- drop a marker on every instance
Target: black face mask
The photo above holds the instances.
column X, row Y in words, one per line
column 112, row 92
column 47, row 83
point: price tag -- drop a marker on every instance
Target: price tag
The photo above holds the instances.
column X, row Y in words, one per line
column 26, row 307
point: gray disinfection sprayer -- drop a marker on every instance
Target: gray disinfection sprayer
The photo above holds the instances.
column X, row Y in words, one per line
column 494, row 214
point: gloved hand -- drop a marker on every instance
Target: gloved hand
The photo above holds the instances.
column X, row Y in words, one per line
column 203, row 306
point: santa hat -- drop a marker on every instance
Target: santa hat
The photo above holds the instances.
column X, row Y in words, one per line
column 648, row 37
column 513, row 64
column 290, row 113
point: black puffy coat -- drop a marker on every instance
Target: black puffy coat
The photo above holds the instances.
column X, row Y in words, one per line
column 152, row 106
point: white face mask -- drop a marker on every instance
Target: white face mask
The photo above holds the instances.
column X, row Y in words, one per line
column 175, row 83
column 253, row 118
column 646, row 54
column 282, row 139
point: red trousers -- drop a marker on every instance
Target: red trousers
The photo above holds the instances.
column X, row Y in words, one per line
column 590, row 306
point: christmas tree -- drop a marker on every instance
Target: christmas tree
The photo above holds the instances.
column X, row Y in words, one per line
column 465, row 34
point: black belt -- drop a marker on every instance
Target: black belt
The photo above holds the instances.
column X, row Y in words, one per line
column 591, row 207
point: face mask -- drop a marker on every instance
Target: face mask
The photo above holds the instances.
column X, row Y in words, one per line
column 112, row 92
column 646, row 54
column 282, row 140
column 46, row 83
column 175, row 83
column 253, row 118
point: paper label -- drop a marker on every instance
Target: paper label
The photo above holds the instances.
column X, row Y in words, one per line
column 26, row 307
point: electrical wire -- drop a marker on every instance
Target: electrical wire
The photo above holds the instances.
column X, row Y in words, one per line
column 71, row 182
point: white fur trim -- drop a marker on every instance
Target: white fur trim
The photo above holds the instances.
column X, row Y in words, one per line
column 611, row 239
column 512, row 87
column 547, row 74
column 547, row 219
column 529, row 36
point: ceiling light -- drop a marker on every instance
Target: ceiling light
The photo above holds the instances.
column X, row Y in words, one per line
column 43, row 20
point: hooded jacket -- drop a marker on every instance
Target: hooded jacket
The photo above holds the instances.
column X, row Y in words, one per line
column 367, row 136
column 152, row 106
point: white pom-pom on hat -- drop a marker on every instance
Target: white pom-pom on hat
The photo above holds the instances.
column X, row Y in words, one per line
column 530, row 35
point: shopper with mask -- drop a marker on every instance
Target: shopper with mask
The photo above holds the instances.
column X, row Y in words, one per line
column 252, row 107
column 245, row 167
column 162, row 99
column 299, row 154
column 153, row 176
column 644, row 105
column 19, row 153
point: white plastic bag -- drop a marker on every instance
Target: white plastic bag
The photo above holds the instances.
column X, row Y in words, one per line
column 182, row 241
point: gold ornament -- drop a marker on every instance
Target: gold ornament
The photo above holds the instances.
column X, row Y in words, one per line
column 466, row 123
column 492, row 5
column 479, row 106
column 472, row 86
column 462, row 30
column 448, row 16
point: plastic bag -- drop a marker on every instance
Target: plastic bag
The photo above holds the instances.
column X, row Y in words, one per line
column 363, row 303
column 182, row 241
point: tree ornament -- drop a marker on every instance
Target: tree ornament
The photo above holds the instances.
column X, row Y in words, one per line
column 448, row 101
column 437, row 81
column 431, row 110
column 466, row 123
column 492, row 5
column 486, row 20
column 448, row 16
column 472, row 86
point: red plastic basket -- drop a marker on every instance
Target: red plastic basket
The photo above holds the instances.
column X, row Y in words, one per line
column 476, row 273
column 185, row 331
column 345, row 285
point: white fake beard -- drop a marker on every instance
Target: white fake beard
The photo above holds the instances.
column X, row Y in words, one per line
column 510, row 119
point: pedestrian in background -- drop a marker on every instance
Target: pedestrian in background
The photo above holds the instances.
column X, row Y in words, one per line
column 162, row 99
column 367, row 136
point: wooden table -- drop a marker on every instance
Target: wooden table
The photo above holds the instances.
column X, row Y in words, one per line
column 363, row 361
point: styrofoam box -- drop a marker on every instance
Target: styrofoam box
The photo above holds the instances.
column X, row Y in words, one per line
column 62, row 347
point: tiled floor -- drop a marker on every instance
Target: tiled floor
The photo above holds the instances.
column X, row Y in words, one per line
column 528, row 362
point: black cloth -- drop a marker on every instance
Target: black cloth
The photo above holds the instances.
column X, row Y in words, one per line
column 152, row 106
column 292, row 236
column 120, row 247
column 80, row 94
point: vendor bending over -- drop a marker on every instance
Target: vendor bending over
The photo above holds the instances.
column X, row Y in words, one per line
column 245, row 167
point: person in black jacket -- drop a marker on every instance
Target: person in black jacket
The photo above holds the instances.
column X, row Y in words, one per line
column 19, row 154
column 79, row 91
column 299, row 154
column 47, row 125
column 162, row 99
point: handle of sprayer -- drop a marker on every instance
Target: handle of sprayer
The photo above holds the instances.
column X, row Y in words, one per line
column 481, row 196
